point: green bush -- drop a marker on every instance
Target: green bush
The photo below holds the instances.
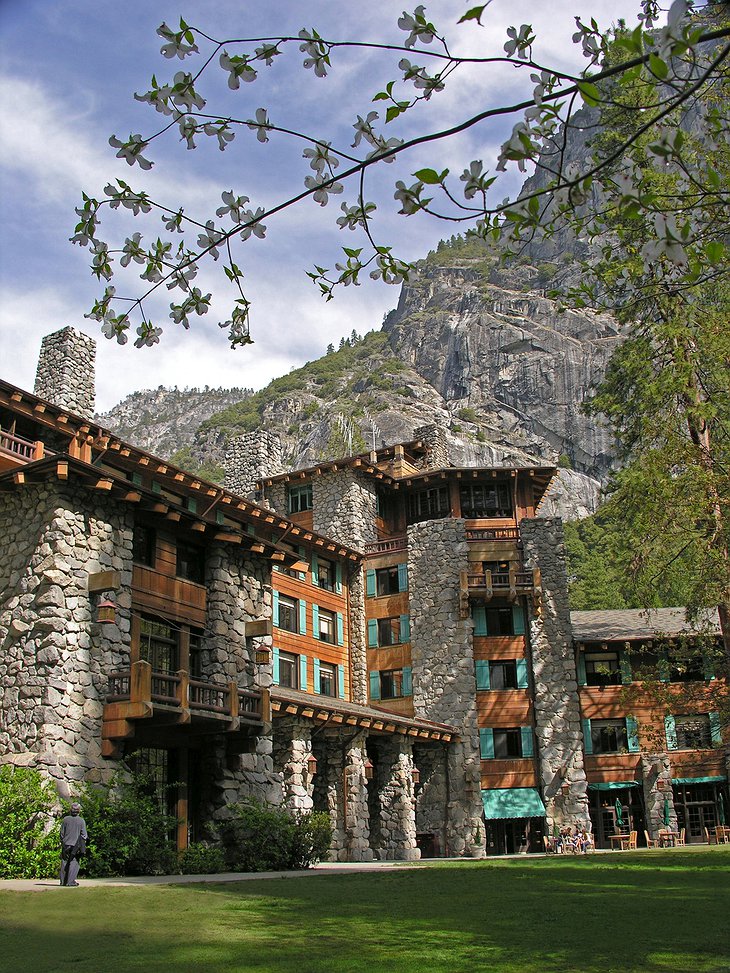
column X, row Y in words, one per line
column 201, row 859
column 468, row 414
column 29, row 842
column 129, row 832
column 259, row 837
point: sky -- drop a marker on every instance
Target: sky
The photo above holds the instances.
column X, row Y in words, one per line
column 68, row 71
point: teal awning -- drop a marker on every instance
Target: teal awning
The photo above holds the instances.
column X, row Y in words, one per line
column 699, row 780
column 612, row 785
column 512, row 802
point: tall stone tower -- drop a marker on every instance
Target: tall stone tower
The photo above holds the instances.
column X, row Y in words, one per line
column 66, row 371
column 250, row 457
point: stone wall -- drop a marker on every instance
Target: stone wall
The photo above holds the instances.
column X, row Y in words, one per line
column 432, row 793
column 657, row 786
column 358, row 636
column 249, row 457
column 54, row 657
column 437, row 447
column 393, row 807
column 442, row 659
column 344, row 507
column 65, row 374
column 557, row 708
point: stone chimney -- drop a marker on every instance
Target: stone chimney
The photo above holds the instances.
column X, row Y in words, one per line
column 250, row 457
column 433, row 438
column 65, row 374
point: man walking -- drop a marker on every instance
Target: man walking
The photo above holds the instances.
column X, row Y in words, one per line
column 73, row 844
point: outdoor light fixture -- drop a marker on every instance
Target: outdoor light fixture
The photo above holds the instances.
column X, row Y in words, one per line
column 262, row 657
column 106, row 612
column 416, row 775
column 311, row 765
column 369, row 769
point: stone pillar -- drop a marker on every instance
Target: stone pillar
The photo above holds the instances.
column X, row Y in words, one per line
column 656, row 771
column 298, row 782
column 332, row 777
column 442, row 661
column 357, row 814
column 250, row 457
column 344, row 506
column 65, row 374
column 358, row 636
column 437, row 449
column 395, row 801
column 432, row 794
column 556, row 703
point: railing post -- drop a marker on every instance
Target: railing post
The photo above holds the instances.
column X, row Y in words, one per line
column 39, row 450
column 512, row 583
column 233, row 700
column 140, row 682
column 488, row 583
column 183, row 688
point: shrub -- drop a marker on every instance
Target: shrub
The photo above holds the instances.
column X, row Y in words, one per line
column 564, row 462
column 468, row 414
column 29, row 842
column 129, row 832
column 201, row 859
column 259, row 837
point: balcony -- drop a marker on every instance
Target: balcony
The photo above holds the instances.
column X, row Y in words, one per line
column 175, row 700
column 387, row 546
column 517, row 581
column 508, row 535
column 14, row 450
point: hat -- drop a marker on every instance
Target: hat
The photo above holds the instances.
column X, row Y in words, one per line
column 75, row 807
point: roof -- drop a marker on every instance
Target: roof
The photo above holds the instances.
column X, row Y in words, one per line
column 640, row 623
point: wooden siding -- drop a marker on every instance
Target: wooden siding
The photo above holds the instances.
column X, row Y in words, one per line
column 499, row 647
column 174, row 598
column 504, row 707
column 519, row 772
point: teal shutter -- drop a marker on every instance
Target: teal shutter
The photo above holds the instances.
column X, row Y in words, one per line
column 302, row 575
column 482, row 671
column 315, row 621
column 708, row 665
column 407, row 684
column 527, row 747
column 315, row 570
column 340, row 629
column 276, row 667
column 518, row 620
column 276, row 608
column 338, row 578
column 521, row 666
column 632, row 734
column 302, row 617
column 374, row 685
column 587, row 738
column 486, row 743
column 402, row 577
column 372, row 633
column 405, row 628
column 625, row 667
column 670, row 731
column 315, row 668
column 715, row 728
column 370, row 584
column 303, row 673
column 479, row 614
column 341, row 681
column 581, row 669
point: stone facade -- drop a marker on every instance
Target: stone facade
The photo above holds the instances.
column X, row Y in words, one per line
column 557, row 708
column 657, row 786
column 442, row 659
column 393, row 803
column 65, row 374
column 249, row 457
column 437, row 447
column 344, row 507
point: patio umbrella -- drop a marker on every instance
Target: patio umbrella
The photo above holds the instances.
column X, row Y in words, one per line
column 666, row 812
column 721, row 809
column 619, row 813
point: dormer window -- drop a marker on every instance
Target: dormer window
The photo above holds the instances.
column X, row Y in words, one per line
column 299, row 498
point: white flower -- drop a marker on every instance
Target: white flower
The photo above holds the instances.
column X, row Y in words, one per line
column 355, row 215
column 320, row 158
column 261, row 126
column 318, row 52
column 132, row 251
column 238, row 69
column 253, row 224
column 148, row 335
column 364, row 128
column 409, row 197
column 209, row 239
column 321, row 194
column 175, row 46
column 131, row 151
column 183, row 92
column 417, row 26
column 222, row 131
column 233, row 206
column 188, row 130
column 382, row 145
column 474, row 179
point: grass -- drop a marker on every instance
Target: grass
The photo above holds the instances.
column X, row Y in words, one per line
column 650, row 912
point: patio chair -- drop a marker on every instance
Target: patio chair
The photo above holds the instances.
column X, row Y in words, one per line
column 680, row 838
column 710, row 837
column 632, row 840
column 650, row 843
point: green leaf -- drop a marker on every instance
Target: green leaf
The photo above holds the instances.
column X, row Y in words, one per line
column 430, row 177
column 393, row 112
column 589, row 93
column 474, row 13
column 715, row 251
column 658, row 67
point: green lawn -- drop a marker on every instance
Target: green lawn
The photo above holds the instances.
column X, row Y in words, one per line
column 646, row 912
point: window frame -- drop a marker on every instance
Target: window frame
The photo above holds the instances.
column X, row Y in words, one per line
column 288, row 605
column 299, row 498
column 327, row 673
column 683, row 731
column 510, row 738
column 289, row 659
column 331, row 618
column 599, row 732
column 502, row 664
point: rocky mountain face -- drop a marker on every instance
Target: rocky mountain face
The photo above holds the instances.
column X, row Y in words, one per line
column 481, row 352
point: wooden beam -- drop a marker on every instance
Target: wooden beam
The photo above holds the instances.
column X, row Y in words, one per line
column 257, row 548
column 104, row 484
column 19, row 477
column 62, row 469
column 133, row 496
column 173, row 515
column 198, row 525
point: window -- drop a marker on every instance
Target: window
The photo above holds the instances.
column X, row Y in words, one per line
column 325, row 574
column 389, row 631
column 427, row 504
column 196, row 655
column 327, row 629
column 503, row 675
column 602, row 669
column 144, row 545
column 327, row 679
column 496, row 621
column 507, row 743
column 486, row 500
column 288, row 612
column 288, row 670
column 686, row 668
column 499, row 621
column 299, row 498
column 158, row 645
column 609, row 736
column 693, row 732
column 386, row 581
column 391, row 684
column 190, row 562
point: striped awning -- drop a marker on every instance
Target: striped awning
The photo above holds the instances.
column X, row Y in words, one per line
column 612, row 785
column 512, row 802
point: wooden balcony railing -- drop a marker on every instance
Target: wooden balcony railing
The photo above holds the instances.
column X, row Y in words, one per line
column 508, row 534
column 517, row 581
column 140, row 685
column 24, row 448
column 387, row 545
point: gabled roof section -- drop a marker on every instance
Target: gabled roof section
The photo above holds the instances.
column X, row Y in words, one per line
column 640, row 623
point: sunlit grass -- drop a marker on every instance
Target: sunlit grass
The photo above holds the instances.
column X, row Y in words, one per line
column 649, row 913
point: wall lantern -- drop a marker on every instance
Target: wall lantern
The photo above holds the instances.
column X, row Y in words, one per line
column 106, row 612
column 416, row 775
column 311, row 765
column 262, row 656
column 369, row 769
